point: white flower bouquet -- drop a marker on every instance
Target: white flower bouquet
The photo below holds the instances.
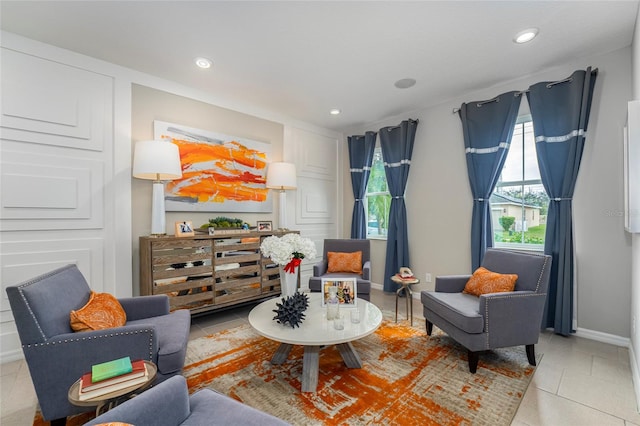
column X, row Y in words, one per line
column 288, row 250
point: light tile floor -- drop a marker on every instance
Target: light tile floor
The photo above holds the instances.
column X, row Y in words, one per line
column 578, row 381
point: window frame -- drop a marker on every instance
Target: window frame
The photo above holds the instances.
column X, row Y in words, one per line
column 521, row 120
column 377, row 149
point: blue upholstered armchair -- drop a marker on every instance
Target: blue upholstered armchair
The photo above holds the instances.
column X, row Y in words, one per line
column 344, row 246
column 169, row 404
column 57, row 356
column 494, row 320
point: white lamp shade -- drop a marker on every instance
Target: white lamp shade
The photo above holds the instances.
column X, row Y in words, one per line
column 281, row 176
column 156, row 160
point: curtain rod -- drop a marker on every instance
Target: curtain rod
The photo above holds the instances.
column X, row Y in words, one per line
column 398, row 126
column 549, row 86
column 496, row 99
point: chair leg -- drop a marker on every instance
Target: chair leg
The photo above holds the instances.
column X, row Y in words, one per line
column 473, row 361
column 429, row 327
column 531, row 354
column 59, row 422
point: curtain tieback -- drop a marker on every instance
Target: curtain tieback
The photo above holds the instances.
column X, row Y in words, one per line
column 560, row 199
column 358, row 199
column 481, row 200
column 397, row 198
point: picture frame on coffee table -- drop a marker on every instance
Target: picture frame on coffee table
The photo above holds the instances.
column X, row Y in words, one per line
column 347, row 291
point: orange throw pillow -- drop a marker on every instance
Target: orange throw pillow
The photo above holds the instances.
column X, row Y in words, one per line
column 345, row 262
column 483, row 281
column 101, row 311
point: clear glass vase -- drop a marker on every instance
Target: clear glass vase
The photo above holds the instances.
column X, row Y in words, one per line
column 333, row 305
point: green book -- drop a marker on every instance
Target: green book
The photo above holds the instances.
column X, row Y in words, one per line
column 109, row 369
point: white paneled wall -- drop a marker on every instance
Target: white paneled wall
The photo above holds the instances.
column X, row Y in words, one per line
column 56, row 165
column 49, row 103
column 317, row 198
column 65, row 170
column 49, row 191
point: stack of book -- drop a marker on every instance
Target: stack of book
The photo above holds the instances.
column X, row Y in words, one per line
column 404, row 277
column 112, row 376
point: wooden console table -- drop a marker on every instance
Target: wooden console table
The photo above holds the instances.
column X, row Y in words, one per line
column 205, row 273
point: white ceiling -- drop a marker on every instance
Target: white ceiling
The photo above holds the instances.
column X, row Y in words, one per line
column 304, row 58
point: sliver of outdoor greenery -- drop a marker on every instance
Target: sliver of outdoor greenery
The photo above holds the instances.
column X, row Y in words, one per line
column 534, row 235
column 378, row 198
column 506, row 222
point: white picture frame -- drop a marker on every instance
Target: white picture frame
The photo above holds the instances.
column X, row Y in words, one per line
column 347, row 291
column 264, row 226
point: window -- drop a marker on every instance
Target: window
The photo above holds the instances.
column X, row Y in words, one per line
column 377, row 199
column 519, row 203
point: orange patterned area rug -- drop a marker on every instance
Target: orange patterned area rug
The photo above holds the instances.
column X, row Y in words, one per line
column 408, row 378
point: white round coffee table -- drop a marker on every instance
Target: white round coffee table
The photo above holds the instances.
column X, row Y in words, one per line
column 314, row 332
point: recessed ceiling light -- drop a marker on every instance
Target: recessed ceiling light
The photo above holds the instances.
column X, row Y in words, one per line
column 203, row 62
column 405, row 83
column 335, row 111
column 526, row 35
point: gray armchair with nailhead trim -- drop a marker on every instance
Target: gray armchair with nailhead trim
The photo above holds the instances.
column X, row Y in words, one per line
column 57, row 356
column 495, row 320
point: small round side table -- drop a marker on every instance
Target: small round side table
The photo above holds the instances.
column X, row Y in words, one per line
column 405, row 285
column 109, row 400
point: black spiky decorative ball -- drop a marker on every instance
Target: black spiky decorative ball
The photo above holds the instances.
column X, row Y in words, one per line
column 291, row 310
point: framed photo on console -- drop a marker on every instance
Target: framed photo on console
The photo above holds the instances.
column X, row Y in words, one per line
column 347, row 291
column 264, row 225
column 184, row 229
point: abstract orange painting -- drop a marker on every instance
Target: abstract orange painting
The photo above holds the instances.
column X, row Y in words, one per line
column 220, row 173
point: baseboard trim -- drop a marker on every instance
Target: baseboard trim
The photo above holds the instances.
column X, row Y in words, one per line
column 11, row 356
column 416, row 294
column 635, row 374
column 599, row 336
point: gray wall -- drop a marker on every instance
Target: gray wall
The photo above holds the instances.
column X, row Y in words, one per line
column 635, row 285
column 439, row 200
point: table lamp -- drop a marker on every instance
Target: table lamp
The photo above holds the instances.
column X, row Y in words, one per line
column 281, row 176
column 157, row 161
